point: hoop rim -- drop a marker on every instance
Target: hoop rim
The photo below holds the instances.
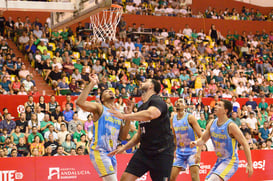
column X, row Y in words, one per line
column 116, row 6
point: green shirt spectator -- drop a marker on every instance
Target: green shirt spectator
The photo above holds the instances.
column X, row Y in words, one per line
column 64, row 35
column 55, row 35
column 78, row 65
column 136, row 61
column 270, row 88
column 45, row 124
column 60, row 50
column 235, row 119
column 30, row 138
column 263, row 105
column 77, row 135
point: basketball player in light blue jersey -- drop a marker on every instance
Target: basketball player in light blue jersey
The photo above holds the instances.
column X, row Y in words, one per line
column 186, row 129
column 225, row 136
column 107, row 129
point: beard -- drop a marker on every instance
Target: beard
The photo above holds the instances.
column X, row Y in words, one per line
column 143, row 89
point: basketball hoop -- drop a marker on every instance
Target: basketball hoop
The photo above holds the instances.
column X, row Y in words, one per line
column 104, row 24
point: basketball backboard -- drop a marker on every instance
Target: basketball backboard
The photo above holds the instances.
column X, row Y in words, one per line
column 83, row 10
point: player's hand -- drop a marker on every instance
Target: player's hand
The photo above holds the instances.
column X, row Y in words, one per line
column 116, row 113
column 249, row 170
column 117, row 151
column 193, row 144
column 94, row 78
column 129, row 108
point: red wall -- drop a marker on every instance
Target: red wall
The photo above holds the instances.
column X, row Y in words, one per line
column 167, row 22
column 202, row 5
column 179, row 23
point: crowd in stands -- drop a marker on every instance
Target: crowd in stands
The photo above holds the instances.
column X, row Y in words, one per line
column 182, row 9
column 189, row 63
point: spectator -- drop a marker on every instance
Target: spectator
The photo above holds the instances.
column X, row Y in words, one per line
column 45, row 124
column 4, row 136
column 57, row 113
column 48, row 151
column 6, row 85
column 264, row 132
column 70, row 102
column 38, row 145
column 244, row 127
column 235, row 105
column 251, row 123
column 77, row 134
column 62, row 133
column 22, row 123
column 51, row 132
column 52, row 143
column 68, row 113
column 263, row 104
column 8, row 123
column 33, row 134
column 40, row 115
column 16, row 135
column 80, row 150
column 28, row 83
column 83, row 143
column 22, row 147
column 88, row 127
column 72, row 125
column 235, row 119
column 34, row 122
column 68, row 144
column 252, row 103
column 52, row 105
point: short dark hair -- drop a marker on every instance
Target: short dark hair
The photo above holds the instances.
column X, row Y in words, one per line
column 227, row 105
column 157, row 86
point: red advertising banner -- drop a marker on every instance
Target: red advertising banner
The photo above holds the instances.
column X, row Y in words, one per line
column 79, row 168
column 15, row 103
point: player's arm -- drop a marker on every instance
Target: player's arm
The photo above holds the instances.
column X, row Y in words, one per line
column 126, row 127
column 145, row 115
column 133, row 142
column 204, row 138
column 124, row 130
column 193, row 121
column 238, row 135
column 93, row 107
column 174, row 135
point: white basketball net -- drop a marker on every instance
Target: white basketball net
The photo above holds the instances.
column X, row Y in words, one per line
column 104, row 24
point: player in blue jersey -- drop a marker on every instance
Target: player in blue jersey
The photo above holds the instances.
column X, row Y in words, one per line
column 107, row 129
column 225, row 134
column 186, row 129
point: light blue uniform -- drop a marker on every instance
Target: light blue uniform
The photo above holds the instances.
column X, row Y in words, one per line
column 184, row 135
column 226, row 149
column 106, row 132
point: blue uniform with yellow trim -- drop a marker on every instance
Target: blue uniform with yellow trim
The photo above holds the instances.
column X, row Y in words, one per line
column 226, row 149
column 106, row 132
column 184, row 135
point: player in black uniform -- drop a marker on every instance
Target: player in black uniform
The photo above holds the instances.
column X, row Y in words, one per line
column 156, row 150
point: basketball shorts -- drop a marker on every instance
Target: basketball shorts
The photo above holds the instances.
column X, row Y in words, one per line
column 224, row 168
column 102, row 163
column 159, row 165
column 183, row 160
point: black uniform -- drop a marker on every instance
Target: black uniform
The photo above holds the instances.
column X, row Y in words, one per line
column 156, row 144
